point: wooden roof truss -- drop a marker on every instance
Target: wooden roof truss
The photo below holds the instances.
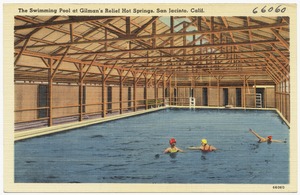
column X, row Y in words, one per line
column 114, row 46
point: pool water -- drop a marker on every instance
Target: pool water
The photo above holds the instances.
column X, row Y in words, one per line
column 131, row 150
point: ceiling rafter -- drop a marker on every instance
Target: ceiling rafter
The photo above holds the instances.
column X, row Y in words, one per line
column 141, row 46
column 71, row 20
column 236, row 29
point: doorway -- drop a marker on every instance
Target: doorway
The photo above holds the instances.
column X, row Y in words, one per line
column 225, row 96
column 238, row 97
column 204, row 97
column 42, row 100
column 109, row 99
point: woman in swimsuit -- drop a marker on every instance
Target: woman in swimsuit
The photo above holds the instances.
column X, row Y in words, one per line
column 267, row 139
column 172, row 148
column 205, row 147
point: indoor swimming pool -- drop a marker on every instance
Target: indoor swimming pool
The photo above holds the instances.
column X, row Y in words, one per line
column 130, row 150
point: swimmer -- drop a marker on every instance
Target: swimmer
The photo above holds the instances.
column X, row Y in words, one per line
column 267, row 139
column 172, row 148
column 204, row 147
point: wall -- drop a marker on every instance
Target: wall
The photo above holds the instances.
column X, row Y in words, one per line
column 25, row 97
column 67, row 95
column 270, row 97
column 93, row 96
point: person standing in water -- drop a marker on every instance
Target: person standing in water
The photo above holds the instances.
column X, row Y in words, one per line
column 205, row 147
column 267, row 139
column 172, row 148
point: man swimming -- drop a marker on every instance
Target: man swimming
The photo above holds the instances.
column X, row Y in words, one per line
column 268, row 139
column 172, row 148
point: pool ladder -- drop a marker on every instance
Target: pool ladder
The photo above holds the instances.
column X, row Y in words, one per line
column 192, row 102
column 258, row 100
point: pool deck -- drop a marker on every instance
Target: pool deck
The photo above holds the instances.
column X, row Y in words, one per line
column 30, row 133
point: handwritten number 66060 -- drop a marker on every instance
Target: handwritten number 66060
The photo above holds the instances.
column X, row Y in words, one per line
column 265, row 9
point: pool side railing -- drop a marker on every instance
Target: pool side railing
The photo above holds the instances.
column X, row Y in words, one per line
column 30, row 133
column 25, row 134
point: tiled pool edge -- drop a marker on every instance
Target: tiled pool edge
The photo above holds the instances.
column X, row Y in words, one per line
column 26, row 134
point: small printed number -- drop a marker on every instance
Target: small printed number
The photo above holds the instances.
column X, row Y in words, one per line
column 278, row 9
column 278, row 187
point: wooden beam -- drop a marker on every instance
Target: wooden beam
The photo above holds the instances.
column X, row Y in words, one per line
column 250, row 32
column 280, row 53
column 191, row 55
column 281, row 39
column 50, row 93
column 216, row 61
column 139, row 30
column 146, row 92
column 153, row 34
column 134, row 92
column 112, row 68
column 66, row 59
column 145, row 37
column 121, row 93
column 275, row 67
column 128, row 29
column 36, row 30
column 22, row 50
column 46, row 63
column 128, row 72
column 142, row 73
column 152, row 75
column 155, row 90
column 80, row 94
column 69, row 21
column 60, row 62
column 103, row 94
column 280, row 64
column 84, row 75
column 71, row 33
column 163, row 89
column 160, row 78
column 179, row 47
column 271, row 75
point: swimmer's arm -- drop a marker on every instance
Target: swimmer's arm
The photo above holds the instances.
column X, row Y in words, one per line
column 179, row 150
column 167, row 150
column 194, row 148
column 213, row 148
column 279, row 141
column 258, row 136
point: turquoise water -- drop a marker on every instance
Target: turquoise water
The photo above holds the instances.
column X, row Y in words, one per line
column 130, row 150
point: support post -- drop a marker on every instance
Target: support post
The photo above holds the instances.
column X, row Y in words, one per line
column 103, row 94
column 218, row 83
column 164, row 91
column 134, row 92
column 80, row 93
column 121, row 94
column 146, row 93
column 244, row 93
column 155, row 90
column 170, row 94
column 50, row 90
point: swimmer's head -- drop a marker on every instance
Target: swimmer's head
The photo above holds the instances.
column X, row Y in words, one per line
column 270, row 138
column 172, row 141
column 203, row 141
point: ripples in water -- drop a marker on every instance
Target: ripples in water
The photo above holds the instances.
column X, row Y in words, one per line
column 97, row 136
column 121, row 177
column 30, row 161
